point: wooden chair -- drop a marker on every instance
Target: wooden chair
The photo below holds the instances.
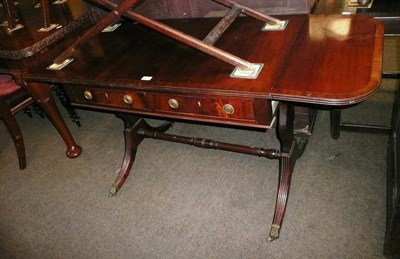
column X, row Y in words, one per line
column 13, row 99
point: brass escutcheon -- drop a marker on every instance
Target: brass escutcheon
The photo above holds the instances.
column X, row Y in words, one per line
column 173, row 103
column 128, row 99
column 228, row 109
column 88, row 95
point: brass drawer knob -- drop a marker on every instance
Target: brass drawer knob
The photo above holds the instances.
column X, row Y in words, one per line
column 228, row 109
column 88, row 95
column 128, row 99
column 173, row 103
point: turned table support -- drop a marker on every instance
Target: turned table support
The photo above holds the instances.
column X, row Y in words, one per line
column 136, row 129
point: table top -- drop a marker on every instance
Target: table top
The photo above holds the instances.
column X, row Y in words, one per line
column 336, row 60
column 330, row 60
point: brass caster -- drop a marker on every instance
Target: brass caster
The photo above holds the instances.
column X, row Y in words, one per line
column 273, row 233
column 113, row 191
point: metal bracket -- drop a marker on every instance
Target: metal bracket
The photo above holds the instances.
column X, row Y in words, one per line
column 278, row 26
column 112, row 27
column 60, row 1
column 251, row 73
column 49, row 28
column 17, row 27
column 55, row 66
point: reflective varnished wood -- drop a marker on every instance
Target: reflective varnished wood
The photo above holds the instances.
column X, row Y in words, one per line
column 336, row 60
column 300, row 64
column 135, row 70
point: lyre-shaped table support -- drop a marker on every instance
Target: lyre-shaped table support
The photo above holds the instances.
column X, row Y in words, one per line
column 205, row 45
column 136, row 130
column 291, row 149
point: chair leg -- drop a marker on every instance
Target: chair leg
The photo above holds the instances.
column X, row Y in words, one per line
column 15, row 132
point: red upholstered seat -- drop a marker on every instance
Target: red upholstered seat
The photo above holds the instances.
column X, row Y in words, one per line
column 8, row 85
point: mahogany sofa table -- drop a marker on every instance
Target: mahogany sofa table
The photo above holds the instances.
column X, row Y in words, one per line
column 137, row 72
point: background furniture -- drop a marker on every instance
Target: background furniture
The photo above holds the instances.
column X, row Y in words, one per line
column 392, row 238
column 389, row 13
column 13, row 99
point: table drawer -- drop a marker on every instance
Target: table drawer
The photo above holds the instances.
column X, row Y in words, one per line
column 246, row 111
column 209, row 106
column 108, row 98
